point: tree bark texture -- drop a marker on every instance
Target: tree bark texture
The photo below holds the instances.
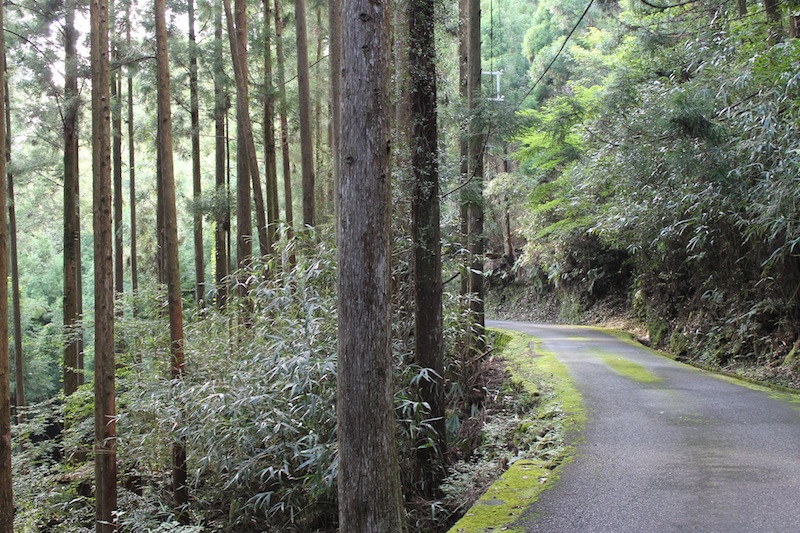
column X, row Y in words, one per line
column 370, row 499
column 179, row 486
column 335, row 54
column 16, row 308
column 194, row 111
column 132, row 178
column 105, row 422
column 222, row 218
column 116, row 131
column 284, row 122
column 237, row 33
column 270, row 159
column 475, row 189
column 426, row 236
column 304, row 94
column 6, row 487
column 246, row 142
column 72, row 230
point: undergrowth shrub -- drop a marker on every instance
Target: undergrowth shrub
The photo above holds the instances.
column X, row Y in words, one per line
column 256, row 407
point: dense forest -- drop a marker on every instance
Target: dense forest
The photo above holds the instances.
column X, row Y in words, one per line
column 249, row 246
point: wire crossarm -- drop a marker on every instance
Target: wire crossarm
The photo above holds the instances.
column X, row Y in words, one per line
column 496, row 75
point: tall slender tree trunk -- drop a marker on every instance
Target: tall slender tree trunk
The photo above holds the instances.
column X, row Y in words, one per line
column 511, row 258
column 426, row 236
column 222, row 219
column 131, row 166
column 244, row 223
column 72, row 309
column 228, row 195
column 323, row 188
column 284, row 121
column 270, row 159
column 246, row 139
column 116, row 129
column 304, row 93
column 475, row 190
column 161, row 271
column 179, row 486
column 19, row 374
column 6, row 486
column 105, row 419
column 370, row 498
column 463, row 87
column 335, row 54
column 199, row 254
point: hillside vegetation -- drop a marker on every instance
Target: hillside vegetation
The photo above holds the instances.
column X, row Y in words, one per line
column 658, row 173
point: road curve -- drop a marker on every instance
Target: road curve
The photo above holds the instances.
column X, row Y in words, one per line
column 691, row 452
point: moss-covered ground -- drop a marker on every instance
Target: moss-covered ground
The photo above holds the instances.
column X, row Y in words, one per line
column 538, row 373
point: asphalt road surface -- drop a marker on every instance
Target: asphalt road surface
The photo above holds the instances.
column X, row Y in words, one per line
column 691, row 452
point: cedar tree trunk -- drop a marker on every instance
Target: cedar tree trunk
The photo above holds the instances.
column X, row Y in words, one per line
column 370, row 498
column 304, row 93
column 173, row 275
column 426, row 236
column 105, row 419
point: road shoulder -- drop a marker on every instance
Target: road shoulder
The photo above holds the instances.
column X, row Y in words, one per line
column 537, row 372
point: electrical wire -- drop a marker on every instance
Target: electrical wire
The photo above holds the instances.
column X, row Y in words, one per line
column 525, row 96
column 555, row 57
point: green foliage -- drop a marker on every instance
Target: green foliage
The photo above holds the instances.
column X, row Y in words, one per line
column 49, row 495
column 255, row 408
column 682, row 169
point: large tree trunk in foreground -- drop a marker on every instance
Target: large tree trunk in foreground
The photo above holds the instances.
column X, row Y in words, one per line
column 426, row 237
column 370, row 498
column 173, row 275
column 6, row 487
column 105, row 419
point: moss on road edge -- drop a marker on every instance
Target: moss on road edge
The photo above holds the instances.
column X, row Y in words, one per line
column 538, row 372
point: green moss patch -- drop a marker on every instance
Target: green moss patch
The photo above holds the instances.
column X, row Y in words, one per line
column 539, row 373
column 506, row 499
column 630, row 370
column 530, row 365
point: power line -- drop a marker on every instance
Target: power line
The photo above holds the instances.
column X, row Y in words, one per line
column 555, row 57
column 524, row 97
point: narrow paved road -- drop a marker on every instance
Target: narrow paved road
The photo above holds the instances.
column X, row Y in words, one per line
column 691, row 452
